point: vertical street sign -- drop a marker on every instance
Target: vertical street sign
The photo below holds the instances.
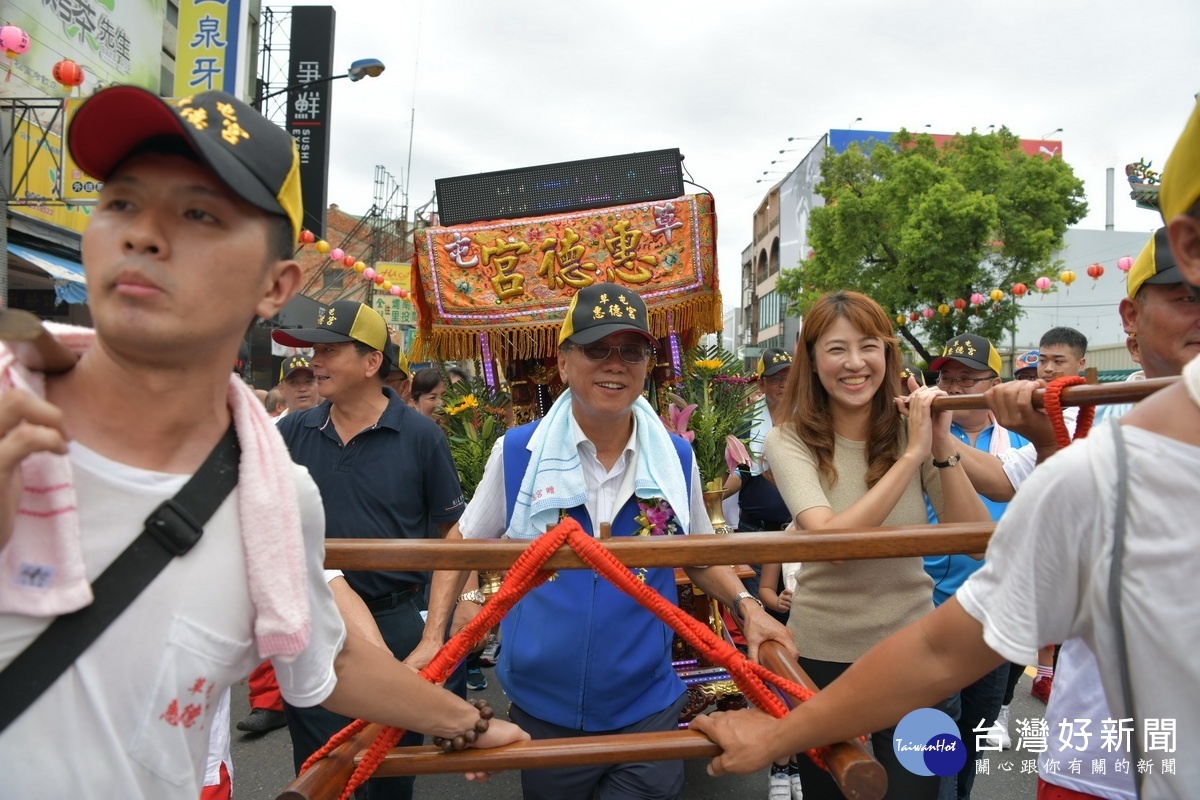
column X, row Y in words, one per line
column 308, row 106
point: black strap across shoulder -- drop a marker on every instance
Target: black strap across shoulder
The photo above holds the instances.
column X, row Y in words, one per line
column 171, row 530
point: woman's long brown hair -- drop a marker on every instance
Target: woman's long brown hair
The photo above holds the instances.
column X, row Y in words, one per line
column 806, row 403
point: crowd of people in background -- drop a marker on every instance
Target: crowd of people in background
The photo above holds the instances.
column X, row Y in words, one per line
column 1083, row 577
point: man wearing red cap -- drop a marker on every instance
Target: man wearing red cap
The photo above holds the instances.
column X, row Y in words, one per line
column 191, row 239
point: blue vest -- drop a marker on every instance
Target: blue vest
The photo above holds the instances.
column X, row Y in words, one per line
column 578, row 652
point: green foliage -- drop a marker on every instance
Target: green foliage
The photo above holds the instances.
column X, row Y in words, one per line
column 712, row 381
column 923, row 225
column 474, row 417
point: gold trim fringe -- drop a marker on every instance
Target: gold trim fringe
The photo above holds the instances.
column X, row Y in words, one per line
column 692, row 317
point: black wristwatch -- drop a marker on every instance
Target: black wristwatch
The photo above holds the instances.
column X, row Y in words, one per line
column 949, row 462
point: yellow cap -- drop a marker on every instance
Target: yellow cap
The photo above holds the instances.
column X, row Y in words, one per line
column 1155, row 264
column 1181, row 174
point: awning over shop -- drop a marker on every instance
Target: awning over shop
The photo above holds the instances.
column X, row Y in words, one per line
column 70, row 285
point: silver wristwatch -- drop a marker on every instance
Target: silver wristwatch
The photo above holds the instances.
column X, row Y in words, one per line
column 740, row 596
column 473, row 596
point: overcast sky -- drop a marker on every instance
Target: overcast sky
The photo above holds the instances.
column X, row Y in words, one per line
column 499, row 85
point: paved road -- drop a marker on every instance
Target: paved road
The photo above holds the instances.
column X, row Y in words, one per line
column 263, row 766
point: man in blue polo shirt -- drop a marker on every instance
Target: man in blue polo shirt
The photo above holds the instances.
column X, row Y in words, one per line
column 384, row 472
column 969, row 364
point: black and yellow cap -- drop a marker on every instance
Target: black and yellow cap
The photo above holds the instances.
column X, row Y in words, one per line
column 294, row 364
column 251, row 155
column 603, row 309
column 1181, row 174
column 971, row 349
column 773, row 360
column 1155, row 264
column 344, row 321
column 909, row 371
column 396, row 357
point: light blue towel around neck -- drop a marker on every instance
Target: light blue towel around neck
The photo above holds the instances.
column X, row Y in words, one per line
column 554, row 479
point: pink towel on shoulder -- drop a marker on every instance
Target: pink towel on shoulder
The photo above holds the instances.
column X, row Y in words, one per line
column 42, row 570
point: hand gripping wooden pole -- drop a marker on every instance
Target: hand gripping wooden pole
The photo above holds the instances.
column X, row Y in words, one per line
column 33, row 345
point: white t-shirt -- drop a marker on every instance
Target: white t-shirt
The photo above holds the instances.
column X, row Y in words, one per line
column 1046, row 580
column 1078, row 695
column 607, row 490
column 131, row 717
column 1019, row 462
column 758, row 438
column 218, row 744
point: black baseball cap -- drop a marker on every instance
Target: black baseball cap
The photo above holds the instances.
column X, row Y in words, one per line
column 343, row 321
column 294, row 364
column 251, row 155
column 773, row 360
column 909, row 371
column 972, row 350
column 603, row 309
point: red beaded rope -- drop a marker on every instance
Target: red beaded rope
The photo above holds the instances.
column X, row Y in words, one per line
column 527, row 574
column 1053, row 404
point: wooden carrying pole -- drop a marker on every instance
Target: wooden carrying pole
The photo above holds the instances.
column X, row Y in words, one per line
column 668, row 551
column 852, row 768
column 32, row 345
column 857, row 774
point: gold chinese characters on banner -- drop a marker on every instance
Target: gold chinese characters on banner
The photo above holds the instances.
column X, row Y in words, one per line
column 511, row 280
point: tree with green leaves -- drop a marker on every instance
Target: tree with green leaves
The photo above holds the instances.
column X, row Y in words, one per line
column 917, row 225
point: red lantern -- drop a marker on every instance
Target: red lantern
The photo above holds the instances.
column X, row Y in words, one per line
column 307, row 237
column 379, row 279
column 349, row 261
column 1095, row 271
column 68, row 74
column 914, row 316
column 1019, row 289
column 960, row 304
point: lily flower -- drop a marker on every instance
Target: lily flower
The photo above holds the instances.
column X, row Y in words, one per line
column 678, row 421
column 735, row 453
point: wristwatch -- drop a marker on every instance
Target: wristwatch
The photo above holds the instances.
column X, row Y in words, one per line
column 473, row 596
column 740, row 596
column 949, row 462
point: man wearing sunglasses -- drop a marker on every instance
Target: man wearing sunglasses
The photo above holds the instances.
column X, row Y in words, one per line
column 580, row 657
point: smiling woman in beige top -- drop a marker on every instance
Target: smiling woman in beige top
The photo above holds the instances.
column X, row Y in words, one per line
column 844, row 457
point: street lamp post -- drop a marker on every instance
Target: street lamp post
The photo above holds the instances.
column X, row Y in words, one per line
column 362, row 68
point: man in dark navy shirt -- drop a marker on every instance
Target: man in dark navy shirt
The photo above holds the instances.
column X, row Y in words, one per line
column 384, row 471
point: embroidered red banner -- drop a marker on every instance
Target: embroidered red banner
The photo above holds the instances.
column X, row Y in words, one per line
column 511, row 280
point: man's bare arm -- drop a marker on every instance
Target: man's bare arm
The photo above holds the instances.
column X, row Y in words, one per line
column 917, row 666
column 987, row 475
column 447, row 585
